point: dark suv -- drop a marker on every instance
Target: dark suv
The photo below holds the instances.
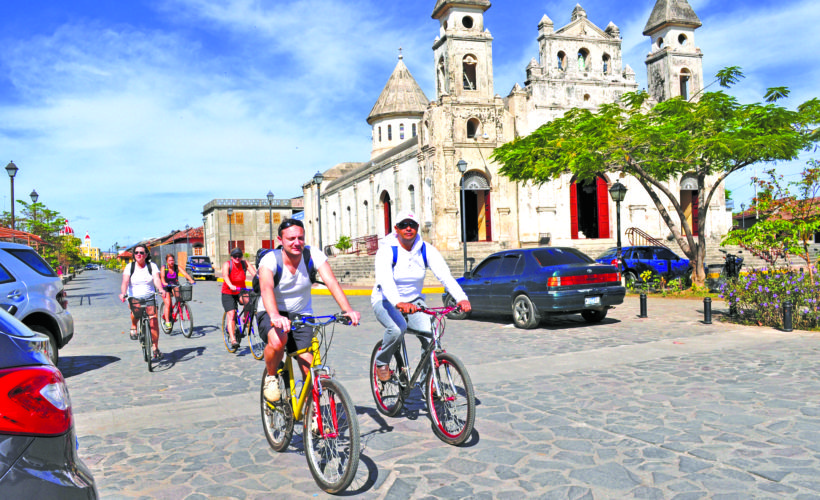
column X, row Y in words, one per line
column 199, row 266
column 660, row 260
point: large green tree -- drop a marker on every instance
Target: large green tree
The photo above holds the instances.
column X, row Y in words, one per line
column 709, row 136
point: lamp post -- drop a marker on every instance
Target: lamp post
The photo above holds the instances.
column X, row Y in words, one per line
column 230, row 229
column 743, row 215
column 12, row 169
column 618, row 193
column 270, row 218
column 204, row 240
column 318, row 178
column 34, row 198
column 462, row 167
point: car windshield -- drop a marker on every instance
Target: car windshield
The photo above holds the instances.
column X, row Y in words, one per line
column 33, row 260
column 557, row 256
column 609, row 254
column 200, row 260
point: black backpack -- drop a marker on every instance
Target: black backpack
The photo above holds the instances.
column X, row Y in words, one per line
column 147, row 264
column 277, row 274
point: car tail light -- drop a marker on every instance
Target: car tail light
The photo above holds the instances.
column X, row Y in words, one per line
column 34, row 401
column 62, row 299
column 585, row 279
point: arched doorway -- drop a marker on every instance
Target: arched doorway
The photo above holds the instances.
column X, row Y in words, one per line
column 384, row 199
column 689, row 201
column 477, row 207
column 589, row 209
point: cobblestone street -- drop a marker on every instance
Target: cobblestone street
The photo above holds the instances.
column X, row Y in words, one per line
column 662, row 407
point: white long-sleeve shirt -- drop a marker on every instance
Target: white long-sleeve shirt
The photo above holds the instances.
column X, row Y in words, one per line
column 404, row 282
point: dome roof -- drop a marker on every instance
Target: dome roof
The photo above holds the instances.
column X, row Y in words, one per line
column 66, row 229
column 676, row 12
column 401, row 96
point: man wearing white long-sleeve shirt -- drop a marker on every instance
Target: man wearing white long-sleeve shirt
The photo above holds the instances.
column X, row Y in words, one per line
column 401, row 263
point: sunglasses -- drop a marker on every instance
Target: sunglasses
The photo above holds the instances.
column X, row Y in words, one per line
column 140, row 253
column 406, row 223
column 288, row 223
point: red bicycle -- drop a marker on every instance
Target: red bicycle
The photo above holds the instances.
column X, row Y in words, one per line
column 180, row 312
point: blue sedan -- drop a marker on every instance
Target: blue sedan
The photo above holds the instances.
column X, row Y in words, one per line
column 535, row 283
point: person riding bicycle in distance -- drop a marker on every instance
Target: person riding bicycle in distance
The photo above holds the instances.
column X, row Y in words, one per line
column 140, row 280
column 169, row 276
column 401, row 264
column 289, row 297
column 234, row 274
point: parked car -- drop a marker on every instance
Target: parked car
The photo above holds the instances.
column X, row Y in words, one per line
column 199, row 266
column 34, row 294
column 534, row 283
column 637, row 259
column 39, row 445
column 91, row 267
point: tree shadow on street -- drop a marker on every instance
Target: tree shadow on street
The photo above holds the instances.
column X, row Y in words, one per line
column 76, row 365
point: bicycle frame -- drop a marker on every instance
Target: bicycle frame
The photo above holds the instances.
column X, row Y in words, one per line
column 433, row 347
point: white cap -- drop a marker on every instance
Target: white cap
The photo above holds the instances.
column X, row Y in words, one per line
column 407, row 215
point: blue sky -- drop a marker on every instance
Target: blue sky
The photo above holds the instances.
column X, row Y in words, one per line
column 128, row 116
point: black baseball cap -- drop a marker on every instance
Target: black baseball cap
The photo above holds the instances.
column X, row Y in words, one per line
column 236, row 252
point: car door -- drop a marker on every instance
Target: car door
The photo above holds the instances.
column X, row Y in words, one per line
column 677, row 266
column 479, row 286
column 505, row 280
column 13, row 296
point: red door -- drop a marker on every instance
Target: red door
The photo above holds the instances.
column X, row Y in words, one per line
column 603, row 208
column 487, row 219
column 388, row 226
column 695, row 203
column 573, row 211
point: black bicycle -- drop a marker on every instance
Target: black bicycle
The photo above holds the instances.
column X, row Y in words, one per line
column 138, row 309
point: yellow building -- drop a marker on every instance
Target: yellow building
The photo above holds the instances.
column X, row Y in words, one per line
column 87, row 250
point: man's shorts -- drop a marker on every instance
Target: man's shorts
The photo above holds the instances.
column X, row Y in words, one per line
column 229, row 302
column 298, row 339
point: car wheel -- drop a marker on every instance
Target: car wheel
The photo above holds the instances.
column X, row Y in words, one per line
column 525, row 314
column 458, row 314
column 593, row 316
column 55, row 354
column 630, row 279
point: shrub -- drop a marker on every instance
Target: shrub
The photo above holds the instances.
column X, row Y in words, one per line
column 759, row 296
column 344, row 243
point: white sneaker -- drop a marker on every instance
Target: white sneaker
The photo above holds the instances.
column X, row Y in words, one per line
column 271, row 390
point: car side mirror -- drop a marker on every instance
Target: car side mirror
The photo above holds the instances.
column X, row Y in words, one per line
column 468, row 274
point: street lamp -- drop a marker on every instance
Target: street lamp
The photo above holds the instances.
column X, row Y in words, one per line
column 270, row 218
column 618, row 193
column 204, row 240
column 743, row 215
column 230, row 229
column 462, row 167
column 34, row 198
column 12, row 169
column 318, row 178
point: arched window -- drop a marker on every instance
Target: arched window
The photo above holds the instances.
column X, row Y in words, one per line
column 583, row 56
column 440, row 76
column 401, row 131
column 607, row 64
column 586, row 97
column 682, row 40
column 467, row 22
column 660, row 43
column 390, row 132
column 366, row 218
column 349, row 223
column 562, row 61
column 472, row 127
column 685, row 76
column 380, row 134
column 468, row 68
column 412, row 192
column 414, row 130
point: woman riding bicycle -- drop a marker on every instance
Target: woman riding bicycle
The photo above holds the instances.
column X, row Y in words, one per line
column 234, row 274
column 140, row 280
column 401, row 264
column 169, row 276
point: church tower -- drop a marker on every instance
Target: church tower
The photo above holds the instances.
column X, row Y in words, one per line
column 674, row 66
column 396, row 115
column 463, row 50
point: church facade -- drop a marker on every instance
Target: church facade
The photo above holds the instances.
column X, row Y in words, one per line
column 424, row 151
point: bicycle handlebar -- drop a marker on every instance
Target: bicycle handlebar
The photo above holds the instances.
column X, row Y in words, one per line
column 306, row 320
column 438, row 311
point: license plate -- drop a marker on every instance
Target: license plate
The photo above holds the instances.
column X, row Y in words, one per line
column 592, row 301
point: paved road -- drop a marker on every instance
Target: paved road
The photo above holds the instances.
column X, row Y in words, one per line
column 663, row 407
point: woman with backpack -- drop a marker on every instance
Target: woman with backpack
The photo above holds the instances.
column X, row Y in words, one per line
column 169, row 275
column 234, row 274
column 140, row 280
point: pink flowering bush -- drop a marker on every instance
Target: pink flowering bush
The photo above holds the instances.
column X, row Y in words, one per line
column 759, row 296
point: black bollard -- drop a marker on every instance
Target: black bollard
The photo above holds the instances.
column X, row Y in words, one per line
column 643, row 306
column 707, row 311
column 732, row 311
column 787, row 316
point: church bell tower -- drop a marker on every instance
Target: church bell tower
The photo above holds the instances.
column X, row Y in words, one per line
column 463, row 50
column 674, row 66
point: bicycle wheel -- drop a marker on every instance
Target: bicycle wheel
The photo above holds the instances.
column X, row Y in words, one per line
column 277, row 418
column 257, row 346
column 225, row 334
column 332, row 452
column 452, row 410
column 388, row 395
column 186, row 320
column 161, row 319
column 146, row 344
